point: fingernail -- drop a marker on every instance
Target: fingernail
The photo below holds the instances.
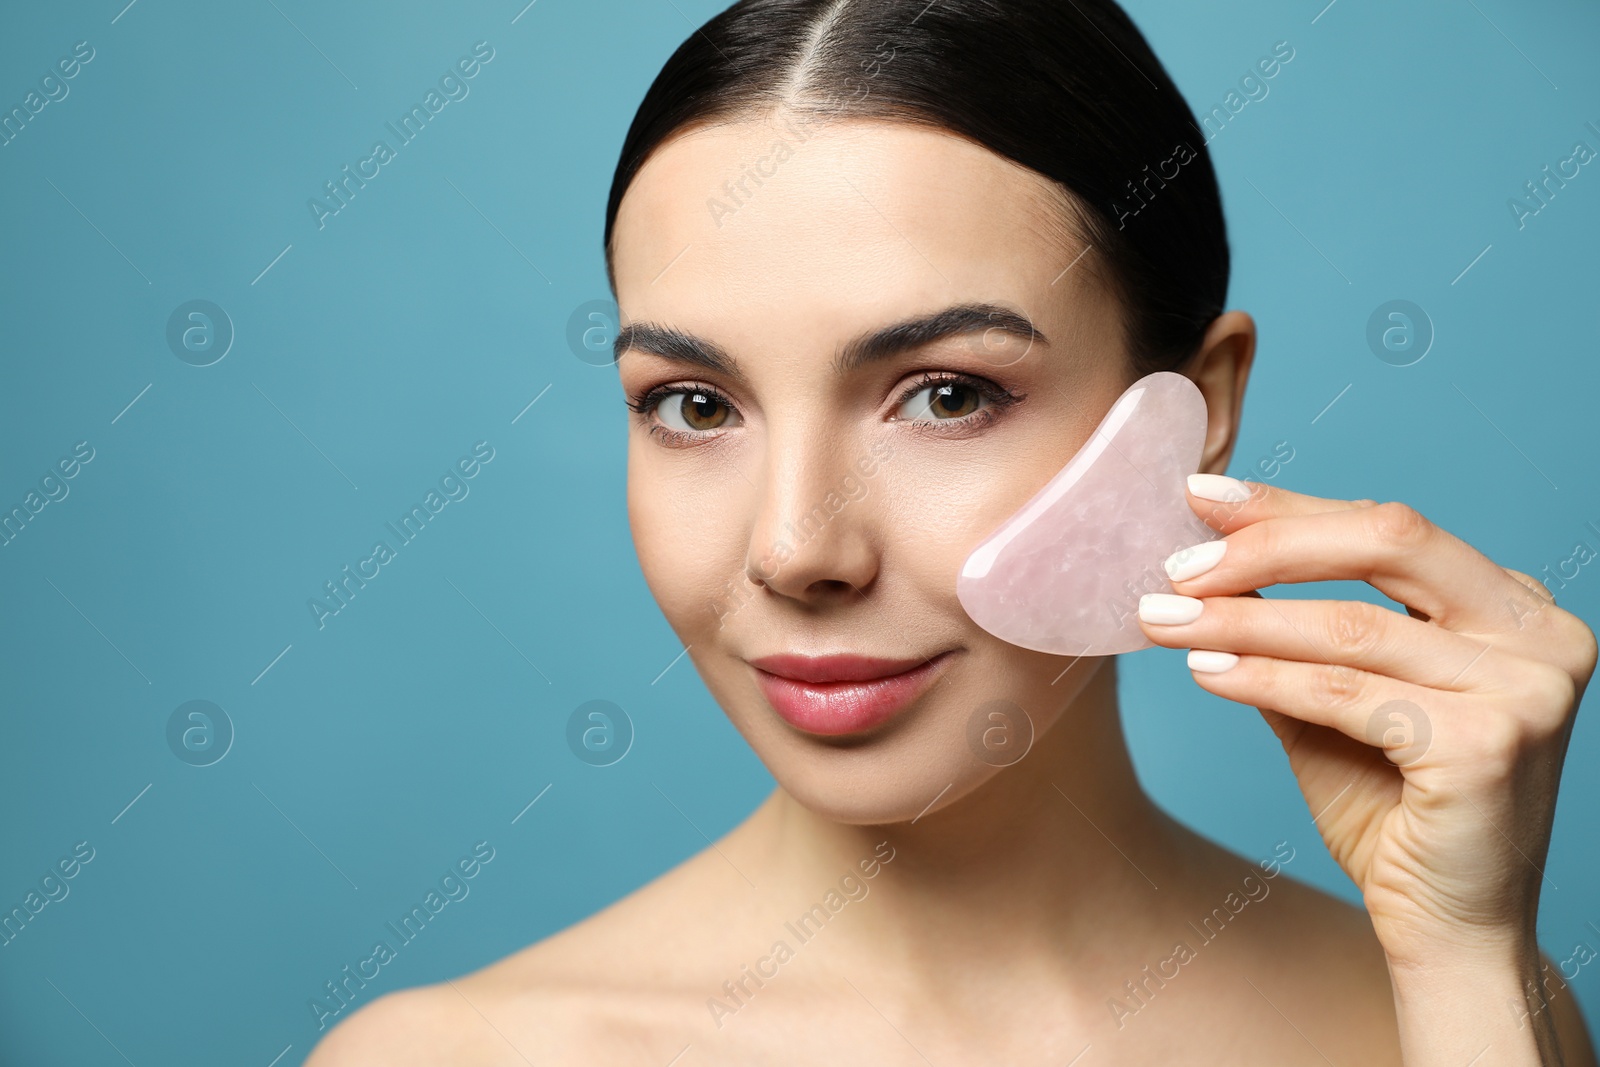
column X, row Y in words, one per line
column 1169, row 608
column 1218, row 487
column 1208, row 662
column 1196, row 559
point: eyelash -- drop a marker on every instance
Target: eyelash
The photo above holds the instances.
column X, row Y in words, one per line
column 998, row 396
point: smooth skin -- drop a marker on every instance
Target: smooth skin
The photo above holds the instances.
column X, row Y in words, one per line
column 981, row 914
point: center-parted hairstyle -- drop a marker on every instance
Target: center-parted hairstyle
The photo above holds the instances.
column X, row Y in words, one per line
column 1067, row 88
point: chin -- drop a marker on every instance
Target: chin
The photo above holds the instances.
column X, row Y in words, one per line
column 893, row 772
column 882, row 789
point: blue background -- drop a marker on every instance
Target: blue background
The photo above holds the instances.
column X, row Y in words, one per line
column 372, row 353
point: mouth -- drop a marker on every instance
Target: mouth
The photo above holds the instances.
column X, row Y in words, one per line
column 843, row 694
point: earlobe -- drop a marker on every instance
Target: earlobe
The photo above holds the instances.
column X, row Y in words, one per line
column 1220, row 368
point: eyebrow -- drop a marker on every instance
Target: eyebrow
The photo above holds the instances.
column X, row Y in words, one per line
column 871, row 347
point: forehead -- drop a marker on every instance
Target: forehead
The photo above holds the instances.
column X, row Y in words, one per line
column 794, row 225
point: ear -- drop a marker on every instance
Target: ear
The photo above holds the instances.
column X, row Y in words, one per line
column 1220, row 367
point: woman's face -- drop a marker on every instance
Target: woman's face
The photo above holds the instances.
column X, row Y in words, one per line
column 796, row 490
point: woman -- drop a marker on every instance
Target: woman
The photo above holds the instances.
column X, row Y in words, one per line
column 883, row 266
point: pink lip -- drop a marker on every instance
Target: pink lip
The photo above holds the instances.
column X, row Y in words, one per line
column 832, row 695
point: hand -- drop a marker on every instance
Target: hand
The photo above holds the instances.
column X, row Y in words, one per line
column 1428, row 744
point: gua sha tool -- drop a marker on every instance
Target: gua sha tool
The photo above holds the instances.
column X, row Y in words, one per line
column 1065, row 573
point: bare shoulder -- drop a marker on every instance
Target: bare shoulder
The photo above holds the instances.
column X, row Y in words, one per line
column 1316, row 963
column 1341, row 934
column 564, row 999
column 1566, row 1015
column 1296, row 963
column 410, row 1026
column 485, row 1020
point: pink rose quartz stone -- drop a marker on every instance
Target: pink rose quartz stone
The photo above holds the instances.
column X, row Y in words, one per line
column 1065, row 573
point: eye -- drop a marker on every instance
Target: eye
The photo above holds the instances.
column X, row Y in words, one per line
column 683, row 414
column 694, row 409
column 944, row 397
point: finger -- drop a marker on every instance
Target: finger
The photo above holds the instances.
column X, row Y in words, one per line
column 1348, row 633
column 1382, row 712
column 1227, row 504
column 1538, row 588
column 1389, row 546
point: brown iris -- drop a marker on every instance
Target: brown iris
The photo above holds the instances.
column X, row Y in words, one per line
column 703, row 412
column 953, row 400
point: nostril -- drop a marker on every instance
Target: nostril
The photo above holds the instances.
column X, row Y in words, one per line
column 838, row 587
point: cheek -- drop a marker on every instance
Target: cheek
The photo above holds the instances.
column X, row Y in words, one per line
column 687, row 533
column 938, row 511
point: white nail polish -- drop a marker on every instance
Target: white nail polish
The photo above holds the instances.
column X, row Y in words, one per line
column 1209, row 662
column 1218, row 487
column 1169, row 608
column 1194, row 560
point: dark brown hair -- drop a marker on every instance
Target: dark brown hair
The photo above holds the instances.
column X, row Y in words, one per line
column 1068, row 88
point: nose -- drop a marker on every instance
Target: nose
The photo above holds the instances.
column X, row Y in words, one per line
column 813, row 538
